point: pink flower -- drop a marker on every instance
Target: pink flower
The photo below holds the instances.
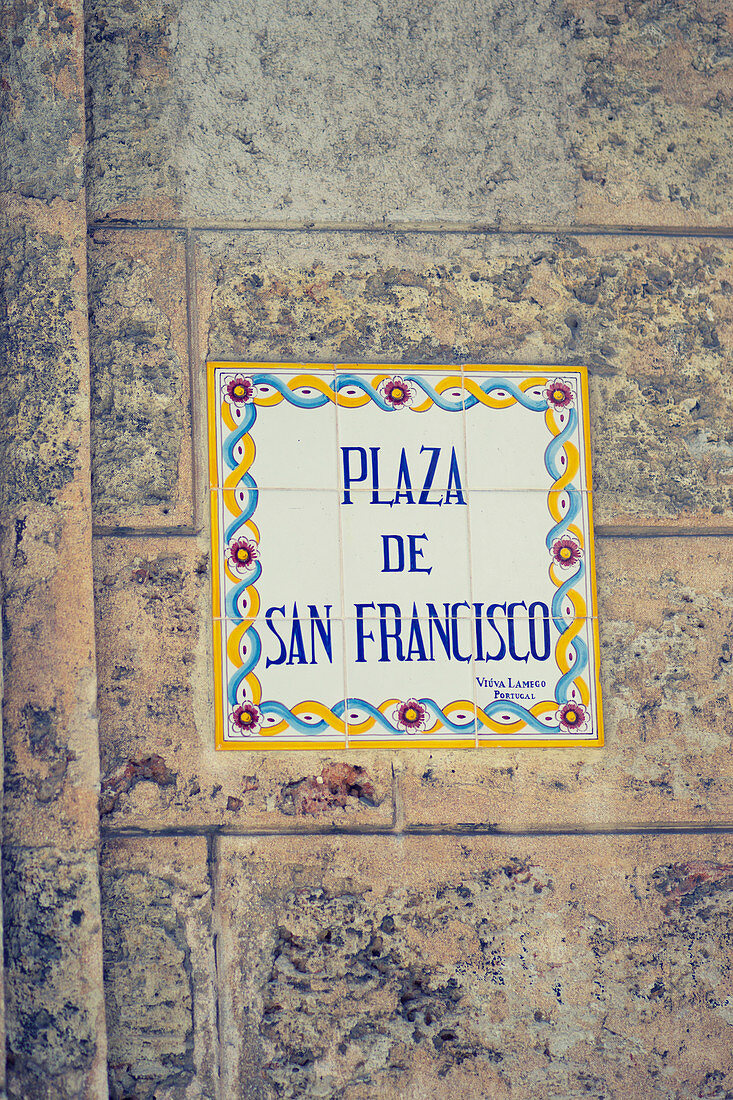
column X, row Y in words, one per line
column 240, row 390
column 574, row 718
column 566, row 551
column 245, row 718
column 242, row 555
column 396, row 391
column 559, row 394
column 410, row 716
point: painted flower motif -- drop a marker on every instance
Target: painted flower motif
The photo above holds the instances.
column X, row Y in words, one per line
column 574, row 718
column 566, row 551
column 559, row 394
column 410, row 716
column 245, row 718
column 396, row 391
column 240, row 390
column 242, row 555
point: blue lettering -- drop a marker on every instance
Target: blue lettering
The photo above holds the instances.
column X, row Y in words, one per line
column 268, row 619
column 545, row 630
column 454, row 478
column 361, row 634
column 349, row 477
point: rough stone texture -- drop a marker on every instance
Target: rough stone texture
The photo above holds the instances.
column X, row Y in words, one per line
column 55, row 1008
column 362, row 112
column 495, row 113
column 338, row 111
column 56, row 1039
column 666, row 632
column 447, row 967
column 666, row 626
column 650, row 316
column 651, row 135
column 45, row 539
column 43, row 331
column 360, row 966
column 41, row 104
column 141, row 420
column 159, row 765
column 49, row 720
column 2, row 967
column 133, row 111
column 51, row 774
column 160, row 969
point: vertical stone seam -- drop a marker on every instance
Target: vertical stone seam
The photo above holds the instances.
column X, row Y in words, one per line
column 2, row 952
column 197, row 389
column 398, row 813
column 53, row 982
column 212, row 859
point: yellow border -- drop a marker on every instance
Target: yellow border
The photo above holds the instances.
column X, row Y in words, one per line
column 323, row 743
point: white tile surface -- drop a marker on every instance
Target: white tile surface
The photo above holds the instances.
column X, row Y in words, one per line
column 296, row 666
column 383, row 664
column 378, row 540
column 298, row 544
column 510, row 559
column 531, row 682
column 506, row 447
column 433, row 435
column 438, row 575
column 295, row 448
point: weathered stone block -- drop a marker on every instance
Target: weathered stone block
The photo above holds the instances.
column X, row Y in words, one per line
column 134, row 109
column 53, row 952
column 445, row 967
column 330, row 113
column 55, row 1007
column 42, row 99
column 527, row 113
column 350, row 112
column 53, row 973
column 51, row 760
column 649, row 135
column 651, row 317
column 159, row 968
column 44, row 402
column 159, row 765
column 666, row 621
column 49, row 721
column 141, row 404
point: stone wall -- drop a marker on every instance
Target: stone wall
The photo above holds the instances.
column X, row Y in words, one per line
column 486, row 182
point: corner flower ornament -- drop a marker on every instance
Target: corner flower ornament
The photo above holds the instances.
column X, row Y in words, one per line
column 574, row 718
column 566, row 551
column 240, row 390
column 410, row 716
column 245, row 719
column 242, row 555
column 559, row 394
column 396, row 391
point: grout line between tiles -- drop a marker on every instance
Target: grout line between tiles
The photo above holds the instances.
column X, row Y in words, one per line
column 339, row 510
column 471, row 587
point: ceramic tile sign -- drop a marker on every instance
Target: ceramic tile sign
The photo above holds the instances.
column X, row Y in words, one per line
column 402, row 555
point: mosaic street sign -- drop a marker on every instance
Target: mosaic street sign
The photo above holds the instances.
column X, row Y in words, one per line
column 402, row 555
